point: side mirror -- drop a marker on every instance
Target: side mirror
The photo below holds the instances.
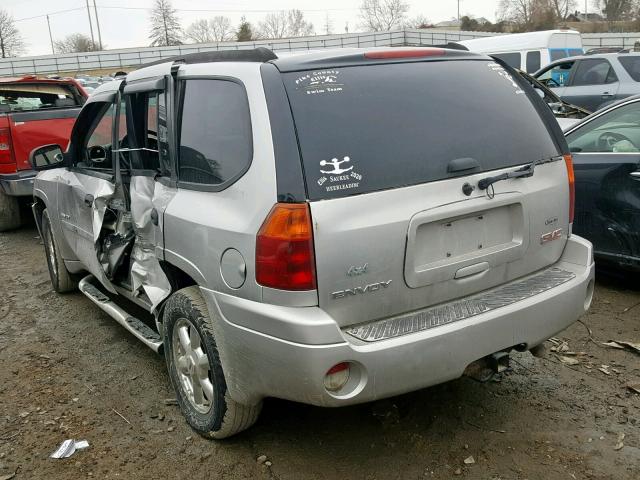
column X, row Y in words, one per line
column 46, row 157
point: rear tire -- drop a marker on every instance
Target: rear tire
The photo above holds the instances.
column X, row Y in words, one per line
column 196, row 371
column 61, row 280
column 10, row 217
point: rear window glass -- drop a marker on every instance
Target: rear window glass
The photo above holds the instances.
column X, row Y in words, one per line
column 632, row 66
column 25, row 97
column 368, row 128
column 557, row 53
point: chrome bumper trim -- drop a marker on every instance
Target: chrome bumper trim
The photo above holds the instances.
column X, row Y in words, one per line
column 462, row 309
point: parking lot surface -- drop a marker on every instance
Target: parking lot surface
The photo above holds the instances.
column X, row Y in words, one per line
column 69, row 371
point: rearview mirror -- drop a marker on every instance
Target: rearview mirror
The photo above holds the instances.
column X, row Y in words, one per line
column 46, row 157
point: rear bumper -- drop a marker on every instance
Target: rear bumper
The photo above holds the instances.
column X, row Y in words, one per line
column 18, row 184
column 285, row 352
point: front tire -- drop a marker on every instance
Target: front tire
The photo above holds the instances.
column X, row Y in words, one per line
column 195, row 369
column 10, row 216
column 61, row 280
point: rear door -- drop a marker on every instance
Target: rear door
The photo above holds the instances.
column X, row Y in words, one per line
column 606, row 154
column 392, row 157
column 593, row 83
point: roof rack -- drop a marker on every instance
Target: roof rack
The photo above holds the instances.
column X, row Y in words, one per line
column 259, row 54
column 597, row 50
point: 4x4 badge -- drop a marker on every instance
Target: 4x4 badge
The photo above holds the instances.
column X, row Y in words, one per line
column 355, row 271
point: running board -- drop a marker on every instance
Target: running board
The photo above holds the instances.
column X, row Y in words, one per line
column 137, row 327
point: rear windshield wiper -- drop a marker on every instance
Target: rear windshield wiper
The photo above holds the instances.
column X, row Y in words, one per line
column 522, row 172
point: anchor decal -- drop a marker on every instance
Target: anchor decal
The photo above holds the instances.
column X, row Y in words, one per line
column 335, row 163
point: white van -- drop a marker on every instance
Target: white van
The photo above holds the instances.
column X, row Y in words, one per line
column 529, row 51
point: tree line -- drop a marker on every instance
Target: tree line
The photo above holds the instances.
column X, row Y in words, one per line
column 374, row 15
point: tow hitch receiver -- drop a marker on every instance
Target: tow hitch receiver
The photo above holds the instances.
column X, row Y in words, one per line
column 484, row 369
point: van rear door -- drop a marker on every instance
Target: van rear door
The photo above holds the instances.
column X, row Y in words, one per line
column 392, row 156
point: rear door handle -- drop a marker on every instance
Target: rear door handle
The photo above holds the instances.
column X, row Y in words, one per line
column 635, row 174
column 88, row 200
column 606, row 94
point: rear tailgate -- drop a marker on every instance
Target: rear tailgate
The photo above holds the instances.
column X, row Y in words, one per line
column 30, row 130
column 387, row 150
column 426, row 244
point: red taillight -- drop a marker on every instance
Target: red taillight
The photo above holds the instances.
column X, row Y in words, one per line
column 284, row 249
column 7, row 160
column 404, row 53
column 572, row 186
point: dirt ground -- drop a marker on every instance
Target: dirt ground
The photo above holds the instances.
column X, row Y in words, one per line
column 69, row 371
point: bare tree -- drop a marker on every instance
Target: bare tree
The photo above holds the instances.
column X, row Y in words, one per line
column 165, row 26
column 285, row 24
column 74, row 43
column 529, row 14
column 274, row 25
column 297, row 26
column 11, row 42
column 419, row 21
column 616, row 10
column 217, row 29
column 328, row 24
column 380, row 15
column 563, row 8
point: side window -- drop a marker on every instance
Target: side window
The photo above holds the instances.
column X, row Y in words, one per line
column 614, row 132
column 556, row 76
column 533, row 62
column 632, row 65
column 215, row 134
column 142, row 131
column 594, row 71
column 557, row 53
column 96, row 152
column 512, row 59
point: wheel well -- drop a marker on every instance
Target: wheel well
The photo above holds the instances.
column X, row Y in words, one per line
column 38, row 208
column 177, row 278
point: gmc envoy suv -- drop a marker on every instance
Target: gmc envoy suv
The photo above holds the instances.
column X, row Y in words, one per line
column 329, row 228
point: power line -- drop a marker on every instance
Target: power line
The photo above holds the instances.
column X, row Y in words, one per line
column 227, row 10
column 50, row 13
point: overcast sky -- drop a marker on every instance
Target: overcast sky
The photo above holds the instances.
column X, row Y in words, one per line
column 124, row 23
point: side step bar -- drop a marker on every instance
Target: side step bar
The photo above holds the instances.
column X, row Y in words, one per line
column 135, row 326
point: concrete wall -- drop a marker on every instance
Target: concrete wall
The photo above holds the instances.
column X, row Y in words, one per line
column 134, row 57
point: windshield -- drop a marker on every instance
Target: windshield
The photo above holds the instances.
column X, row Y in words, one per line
column 24, row 96
column 368, row 128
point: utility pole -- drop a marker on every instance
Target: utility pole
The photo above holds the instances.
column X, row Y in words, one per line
column 95, row 9
column 459, row 10
column 50, row 36
column 93, row 40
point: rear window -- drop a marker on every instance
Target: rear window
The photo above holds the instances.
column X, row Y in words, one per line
column 368, row 128
column 24, row 97
column 632, row 66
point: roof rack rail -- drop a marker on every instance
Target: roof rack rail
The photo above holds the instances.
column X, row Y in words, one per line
column 597, row 50
column 259, row 54
column 452, row 46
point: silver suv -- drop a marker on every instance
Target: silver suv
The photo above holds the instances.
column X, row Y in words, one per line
column 329, row 228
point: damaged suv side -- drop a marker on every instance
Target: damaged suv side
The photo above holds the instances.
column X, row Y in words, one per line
column 306, row 228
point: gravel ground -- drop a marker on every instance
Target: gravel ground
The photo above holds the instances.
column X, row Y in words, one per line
column 69, row 371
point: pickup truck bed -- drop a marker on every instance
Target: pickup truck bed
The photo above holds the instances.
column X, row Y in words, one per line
column 33, row 112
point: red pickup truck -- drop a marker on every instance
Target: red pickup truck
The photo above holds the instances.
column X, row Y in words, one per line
column 33, row 112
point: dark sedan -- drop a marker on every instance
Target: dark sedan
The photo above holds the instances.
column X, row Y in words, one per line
column 593, row 81
column 606, row 156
